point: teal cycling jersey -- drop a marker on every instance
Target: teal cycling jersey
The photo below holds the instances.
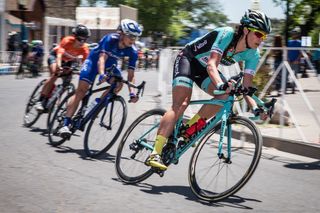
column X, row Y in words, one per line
column 218, row 41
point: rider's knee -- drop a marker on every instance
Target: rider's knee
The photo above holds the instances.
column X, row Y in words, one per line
column 178, row 106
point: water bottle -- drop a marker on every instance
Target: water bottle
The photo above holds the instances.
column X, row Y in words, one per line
column 92, row 105
column 194, row 128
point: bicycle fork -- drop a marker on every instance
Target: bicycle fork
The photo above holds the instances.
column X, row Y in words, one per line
column 225, row 126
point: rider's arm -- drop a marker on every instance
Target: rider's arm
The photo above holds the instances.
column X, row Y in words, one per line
column 59, row 60
column 247, row 82
column 212, row 68
column 131, row 79
column 101, row 62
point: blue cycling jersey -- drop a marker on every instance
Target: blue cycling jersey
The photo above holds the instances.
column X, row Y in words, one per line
column 109, row 45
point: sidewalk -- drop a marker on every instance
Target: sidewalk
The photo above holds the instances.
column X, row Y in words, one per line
column 288, row 138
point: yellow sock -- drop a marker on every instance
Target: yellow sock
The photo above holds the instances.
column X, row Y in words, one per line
column 194, row 119
column 158, row 145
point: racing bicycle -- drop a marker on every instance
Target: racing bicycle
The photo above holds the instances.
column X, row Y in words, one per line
column 57, row 94
column 106, row 119
column 227, row 151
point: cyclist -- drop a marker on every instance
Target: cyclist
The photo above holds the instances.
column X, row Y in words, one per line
column 111, row 47
column 198, row 61
column 36, row 56
column 71, row 48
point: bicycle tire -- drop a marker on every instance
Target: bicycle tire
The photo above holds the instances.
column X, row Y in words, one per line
column 56, row 103
column 245, row 152
column 35, row 95
column 130, row 158
column 100, row 140
column 58, row 119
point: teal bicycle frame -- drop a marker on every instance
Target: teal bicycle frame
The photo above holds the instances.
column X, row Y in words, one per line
column 223, row 115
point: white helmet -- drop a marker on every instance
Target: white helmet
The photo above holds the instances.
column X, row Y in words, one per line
column 130, row 27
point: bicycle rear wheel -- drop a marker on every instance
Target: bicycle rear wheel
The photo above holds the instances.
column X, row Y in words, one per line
column 31, row 115
column 105, row 127
column 131, row 154
column 57, row 123
column 213, row 178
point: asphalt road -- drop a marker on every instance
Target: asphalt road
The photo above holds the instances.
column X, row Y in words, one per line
column 35, row 177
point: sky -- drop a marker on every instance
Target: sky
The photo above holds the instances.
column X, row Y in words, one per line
column 235, row 9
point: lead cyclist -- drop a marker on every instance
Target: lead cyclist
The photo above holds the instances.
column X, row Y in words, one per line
column 198, row 62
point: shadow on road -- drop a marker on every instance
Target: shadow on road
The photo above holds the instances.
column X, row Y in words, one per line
column 103, row 157
column 232, row 201
column 306, row 166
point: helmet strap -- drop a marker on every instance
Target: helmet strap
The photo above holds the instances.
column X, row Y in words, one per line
column 247, row 45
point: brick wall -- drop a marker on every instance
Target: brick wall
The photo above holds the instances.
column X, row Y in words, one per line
column 61, row 8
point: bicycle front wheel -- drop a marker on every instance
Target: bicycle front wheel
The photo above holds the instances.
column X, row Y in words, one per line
column 58, row 101
column 105, row 127
column 135, row 147
column 213, row 177
column 57, row 123
column 31, row 115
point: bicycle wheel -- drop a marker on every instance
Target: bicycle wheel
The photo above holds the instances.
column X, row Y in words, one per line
column 105, row 127
column 31, row 115
column 57, row 123
column 131, row 154
column 212, row 178
column 57, row 102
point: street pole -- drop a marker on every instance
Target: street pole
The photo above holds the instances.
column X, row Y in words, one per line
column 287, row 22
column 22, row 8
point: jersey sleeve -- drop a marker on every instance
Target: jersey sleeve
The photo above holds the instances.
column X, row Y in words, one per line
column 133, row 59
column 60, row 49
column 251, row 63
column 105, row 43
column 223, row 39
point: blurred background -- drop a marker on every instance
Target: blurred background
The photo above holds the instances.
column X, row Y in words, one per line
column 165, row 22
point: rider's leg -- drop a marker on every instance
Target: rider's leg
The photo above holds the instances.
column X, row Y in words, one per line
column 207, row 111
column 47, row 88
column 74, row 101
column 48, row 85
column 180, row 99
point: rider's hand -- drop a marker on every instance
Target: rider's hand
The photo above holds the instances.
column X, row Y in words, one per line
column 59, row 70
column 227, row 86
column 103, row 78
column 133, row 98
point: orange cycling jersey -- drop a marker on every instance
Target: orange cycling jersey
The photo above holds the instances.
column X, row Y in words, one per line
column 69, row 52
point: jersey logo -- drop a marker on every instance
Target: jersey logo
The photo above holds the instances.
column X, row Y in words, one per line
column 227, row 61
column 200, row 45
column 204, row 60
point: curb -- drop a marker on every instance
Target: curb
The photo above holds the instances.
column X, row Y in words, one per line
column 289, row 146
column 292, row 146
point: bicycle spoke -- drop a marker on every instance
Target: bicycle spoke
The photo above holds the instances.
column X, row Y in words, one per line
column 213, row 178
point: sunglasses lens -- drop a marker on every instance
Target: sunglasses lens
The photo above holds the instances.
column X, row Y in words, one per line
column 258, row 34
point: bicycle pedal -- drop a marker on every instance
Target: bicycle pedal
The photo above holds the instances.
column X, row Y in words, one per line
column 158, row 171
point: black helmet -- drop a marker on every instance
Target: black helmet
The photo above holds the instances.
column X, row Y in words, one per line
column 257, row 20
column 81, row 30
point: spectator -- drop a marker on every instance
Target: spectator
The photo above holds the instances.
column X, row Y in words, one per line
column 294, row 55
column 36, row 57
column 316, row 60
column 277, row 55
column 12, row 46
column 24, row 57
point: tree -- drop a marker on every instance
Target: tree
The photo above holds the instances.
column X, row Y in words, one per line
column 174, row 18
column 302, row 13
